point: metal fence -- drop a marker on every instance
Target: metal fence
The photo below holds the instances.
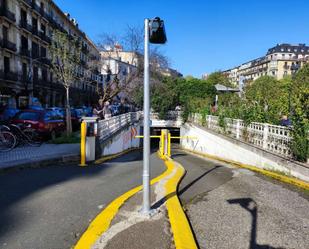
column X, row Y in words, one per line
column 109, row 126
column 272, row 138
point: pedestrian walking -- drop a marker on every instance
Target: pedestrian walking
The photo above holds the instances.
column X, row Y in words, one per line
column 107, row 110
column 98, row 110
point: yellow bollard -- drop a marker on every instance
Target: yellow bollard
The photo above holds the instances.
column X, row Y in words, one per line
column 169, row 144
column 83, row 144
column 162, row 143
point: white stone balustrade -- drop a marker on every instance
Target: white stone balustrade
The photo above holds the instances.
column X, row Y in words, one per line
column 272, row 138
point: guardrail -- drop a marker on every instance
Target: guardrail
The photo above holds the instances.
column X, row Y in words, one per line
column 107, row 127
column 272, row 138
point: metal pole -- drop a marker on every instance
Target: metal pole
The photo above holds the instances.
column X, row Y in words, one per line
column 146, row 152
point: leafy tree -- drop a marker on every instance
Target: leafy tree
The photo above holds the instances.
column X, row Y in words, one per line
column 268, row 98
column 300, row 118
column 65, row 54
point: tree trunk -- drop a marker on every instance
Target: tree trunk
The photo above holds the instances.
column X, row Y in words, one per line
column 68, row 113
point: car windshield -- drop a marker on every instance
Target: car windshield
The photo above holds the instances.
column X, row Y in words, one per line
column 33, row 116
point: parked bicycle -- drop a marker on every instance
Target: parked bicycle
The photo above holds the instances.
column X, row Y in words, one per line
column 7, row 139
column 25, row 135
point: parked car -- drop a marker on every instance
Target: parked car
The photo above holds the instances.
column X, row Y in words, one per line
column 46, row 123
column 76, row 117
column 7, row 113
column 57, row 111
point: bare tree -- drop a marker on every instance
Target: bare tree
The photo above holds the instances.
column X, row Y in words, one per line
column 65, row 54
column 132, row 41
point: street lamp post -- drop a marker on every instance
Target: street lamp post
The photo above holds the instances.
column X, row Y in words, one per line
column 146, row 151
column 154, row 33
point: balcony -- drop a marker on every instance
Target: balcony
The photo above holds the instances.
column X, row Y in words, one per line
column 35, row 54
column 10, row 16
column 45, row 60
column 24, row 25
column 44, row 37
column 35, row 31
column 28, row 2
column 25, row 52
column 23, row 78
column 8, row 45
column 44, row 14
column 9, row 76
column 35, row 7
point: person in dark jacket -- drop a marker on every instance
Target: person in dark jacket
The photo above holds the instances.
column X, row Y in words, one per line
column 285, row 121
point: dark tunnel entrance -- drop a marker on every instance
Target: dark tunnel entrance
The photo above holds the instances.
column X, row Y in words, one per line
column 175, row 132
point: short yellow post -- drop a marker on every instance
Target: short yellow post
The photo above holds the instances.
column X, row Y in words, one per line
column 169, row 144
column 83, row 144
column 162, row 143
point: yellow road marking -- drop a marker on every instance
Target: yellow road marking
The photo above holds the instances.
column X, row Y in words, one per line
column 183, row 235
column 102, row 222
column 283, row 178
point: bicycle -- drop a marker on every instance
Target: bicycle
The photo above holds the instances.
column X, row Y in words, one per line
column 7, row 139
column 24, row 134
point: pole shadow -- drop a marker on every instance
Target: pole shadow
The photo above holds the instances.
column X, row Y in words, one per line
column 250, row 205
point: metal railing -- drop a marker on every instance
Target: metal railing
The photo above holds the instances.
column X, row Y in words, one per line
column 109, row 126
column 269, row 137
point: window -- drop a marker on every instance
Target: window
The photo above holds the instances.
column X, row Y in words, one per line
column 24, row 43
column 44, row 74
column 5, row 33
column 34, row 24
column 23, row 16
column 6, row 64
column 35, row 50
column 43, row 28
column 33, row 116
column 43, row 52
column 24, row 69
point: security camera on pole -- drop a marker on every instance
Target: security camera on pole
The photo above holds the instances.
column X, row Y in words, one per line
column 154, row 33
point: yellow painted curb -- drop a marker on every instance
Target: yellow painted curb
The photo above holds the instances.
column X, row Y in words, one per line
column 283, row 178
column 102, row 222
column 107, row 158
column 183, row 235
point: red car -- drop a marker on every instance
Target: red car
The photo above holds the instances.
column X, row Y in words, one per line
column 46, row 123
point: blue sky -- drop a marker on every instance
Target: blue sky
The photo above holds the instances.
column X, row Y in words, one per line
column 203, row 35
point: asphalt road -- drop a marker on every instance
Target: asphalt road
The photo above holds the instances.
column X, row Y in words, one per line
column 236, row 208
column 50, row 207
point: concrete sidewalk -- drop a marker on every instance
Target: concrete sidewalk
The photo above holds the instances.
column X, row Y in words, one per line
column 132, row 230
column 30, row 156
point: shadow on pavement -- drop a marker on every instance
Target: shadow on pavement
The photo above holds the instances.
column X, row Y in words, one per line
column 20, row 184
column 133, row 156
column 250, row 205
column 185, row 188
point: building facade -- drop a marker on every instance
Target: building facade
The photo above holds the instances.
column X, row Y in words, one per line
column 26, row 28
column 280, row 61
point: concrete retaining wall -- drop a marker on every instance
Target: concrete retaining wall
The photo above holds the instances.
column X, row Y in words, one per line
column 230, row 149
column 120, row 141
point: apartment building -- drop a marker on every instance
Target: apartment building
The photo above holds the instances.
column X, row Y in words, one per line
column 26, row 28
column 279, row 61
